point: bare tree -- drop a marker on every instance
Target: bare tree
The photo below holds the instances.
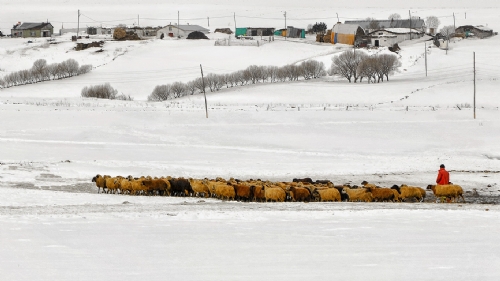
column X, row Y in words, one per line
column 86, row 68
column 346, row 64
column 191, row 87
column 373, row 23
column 39, row 70
column 432, row 22
column 69, row 67
column 199, row 84
column 160, row 93
column 178, row 89
column 394, row 16
column 388, row 64
column 366, row 68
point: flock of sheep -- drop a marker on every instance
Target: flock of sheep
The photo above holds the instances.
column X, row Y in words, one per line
column 302, row 190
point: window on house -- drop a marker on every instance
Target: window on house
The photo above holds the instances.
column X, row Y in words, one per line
column 32, row 33
column 380, row 33
column 169, row 28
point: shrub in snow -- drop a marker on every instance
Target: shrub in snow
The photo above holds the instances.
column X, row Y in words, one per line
column 104, row 91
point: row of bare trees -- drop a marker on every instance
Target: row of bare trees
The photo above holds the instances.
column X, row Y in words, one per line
column 355, row 65
column 253, row 74
column 41, row 71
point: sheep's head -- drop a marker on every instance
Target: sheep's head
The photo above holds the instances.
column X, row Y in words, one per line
column 96, row 177
column 364, row 182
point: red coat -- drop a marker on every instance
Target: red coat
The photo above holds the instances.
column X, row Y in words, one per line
column 443, row 177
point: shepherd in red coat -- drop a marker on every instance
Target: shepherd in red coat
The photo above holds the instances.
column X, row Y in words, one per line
column 443, row 176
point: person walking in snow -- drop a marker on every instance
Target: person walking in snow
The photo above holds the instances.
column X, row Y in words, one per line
column 443, row 177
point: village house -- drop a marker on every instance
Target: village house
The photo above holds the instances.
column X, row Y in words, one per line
column 478, row 31
column 32, row 29
column 181, row 31
column 387, row 37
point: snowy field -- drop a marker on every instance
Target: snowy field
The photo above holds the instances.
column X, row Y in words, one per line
column 54, row 225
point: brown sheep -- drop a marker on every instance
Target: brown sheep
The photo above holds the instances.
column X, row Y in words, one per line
column 259, row 194
column 368, row 185
column 200, row 187
column 100, row 182
column 380, row 194
column 299, row 194
column 396, row 195
column 451, row 190
column 243, row 192
column 156, row 186
column 126, row 186
column 224, row 191
column 408, row 192
column 138, row 188
column 357, row 194
column 111, row 185
column 329, row 194
column 276, row 194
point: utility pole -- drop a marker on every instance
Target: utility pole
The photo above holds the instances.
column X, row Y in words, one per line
column 425, row 55
column 286, row 34
column 78, row 26
column 208, row 19
column 235, row 34
column 409, row 14
column 203, row 83
column 474, row 61
column 138, row 21
column 178, row 24
column 454, row 22
column 338, row 18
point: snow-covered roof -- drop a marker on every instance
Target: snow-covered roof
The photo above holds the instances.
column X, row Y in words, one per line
column 397, row 30
column 31, row 25
column 345, row 28
column 483, row 28
column 189, row 27
column 415, row 23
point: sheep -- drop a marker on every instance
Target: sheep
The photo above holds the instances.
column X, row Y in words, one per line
column 367, row 185
column 259, row 194
column 451, row 190
column 138, row 187
column 329, row 194
column 396, row 195
column 243, row 192
column 126, row 186
column 157, row 186
column 380, row 194
column 224, row 191
column 408, row 192
column 100, row 182
column 112, row 185
column 180, row 187
column 344, row 197
column 299, row 194
column 200, row 187
column 274, row 194
column 304, row 180
column 358, row 194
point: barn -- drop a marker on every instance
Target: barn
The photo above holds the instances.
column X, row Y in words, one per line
column 181, row 31
column 346, row 33
column 389, row 36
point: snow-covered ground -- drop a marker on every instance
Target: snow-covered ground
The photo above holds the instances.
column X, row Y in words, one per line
column 53, row 225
